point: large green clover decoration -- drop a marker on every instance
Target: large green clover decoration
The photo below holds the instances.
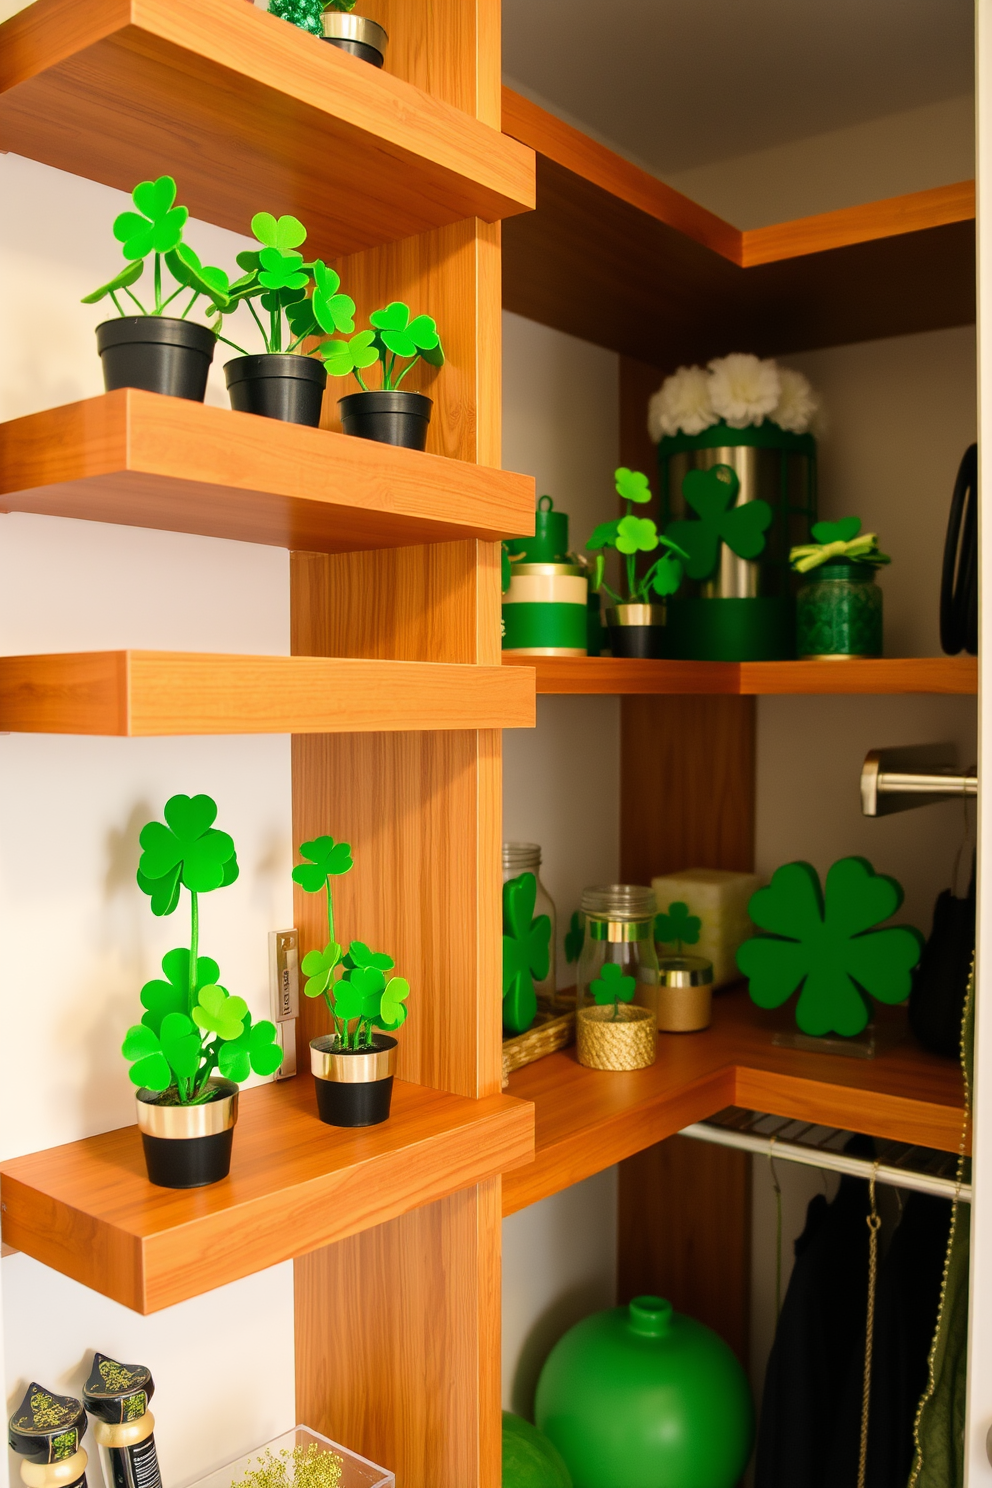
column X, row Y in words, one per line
column 612, row 985
column 157, row 225
column 826, row 943
column 187, row 850
column 677, row 926
column 711, row 495
column 526, row 951
column 173, row 995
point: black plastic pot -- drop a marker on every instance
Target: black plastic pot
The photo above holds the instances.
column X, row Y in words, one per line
column 390, row 418
column 277, row 386
column 188, row 1146
column 629, row 638
column 156, row 353
column 353, row 1086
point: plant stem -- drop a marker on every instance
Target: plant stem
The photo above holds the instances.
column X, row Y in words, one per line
column 134, row 297
column 254, row 312
column 406, row 370
column 234, row 345
column 361, row 383
column 194, row 949
column 631, row 577
column 330, row 912
column 158, row 284
column 275, row 322
column 196, row 296
column 120, row 311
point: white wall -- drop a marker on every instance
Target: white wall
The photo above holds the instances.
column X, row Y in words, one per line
column 80, row 939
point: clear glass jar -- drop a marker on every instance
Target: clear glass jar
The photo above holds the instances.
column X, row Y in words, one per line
column 618, row 920
column 525, row 857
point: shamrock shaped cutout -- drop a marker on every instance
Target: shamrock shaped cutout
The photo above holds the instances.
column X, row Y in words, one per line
column 846, row 530
column 172, row 995
column 574, row 938
column 636, row 535
column 678, row 926
column 218, row 1012
column 327, row 859
column 392, row 1011
column 184, row 265
column 605, row 535
column 360, row 955
column 332, row 311
column 358, row 994
column 128, row 275
column 157, row 226
column 282, row 233
column 280, row 270
column 401, row 335
column 526, row 951
column 342, row 357
column 256, row 1048
column 826, row 944
column 612, row 986
column 156, row 1057
column 667, row 575
column 188, row 850
column 711, row 494
column 318, row 968
column 632, row 485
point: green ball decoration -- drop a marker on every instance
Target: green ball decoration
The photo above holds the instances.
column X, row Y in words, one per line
column 529, row 1459
column 644, row 1397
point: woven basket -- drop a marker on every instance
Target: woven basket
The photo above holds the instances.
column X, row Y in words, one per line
column 628, row 1043
column 544, row 1038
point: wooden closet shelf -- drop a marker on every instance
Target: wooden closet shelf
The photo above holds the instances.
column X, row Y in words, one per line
column 589, row 1119
column 122, row 90
column 606, row 674
column 144, row 460
column 88, row 1210
column 140, row 693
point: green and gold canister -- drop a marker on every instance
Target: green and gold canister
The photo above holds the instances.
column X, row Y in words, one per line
column 47, row 1431
column 117, row 1396
column 545, row 607
column 839, row 607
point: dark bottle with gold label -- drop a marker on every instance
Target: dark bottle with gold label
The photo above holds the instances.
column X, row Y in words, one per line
column 117, row 1397
column 46, row 1430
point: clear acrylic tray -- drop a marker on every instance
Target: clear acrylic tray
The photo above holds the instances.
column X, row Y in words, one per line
column 261, row 1468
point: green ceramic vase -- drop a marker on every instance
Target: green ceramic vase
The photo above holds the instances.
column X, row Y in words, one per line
column 644, row 1397
column 839, row 612
column 529, row 1459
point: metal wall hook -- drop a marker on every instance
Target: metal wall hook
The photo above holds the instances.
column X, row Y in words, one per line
column 914, row 775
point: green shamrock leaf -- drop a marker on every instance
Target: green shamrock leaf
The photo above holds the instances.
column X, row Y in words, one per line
column 172, row 995
column 184, row 265
column 188, row 850
column 256, row 1048
column 318, row 968
column 401, row 335
column 711, row 494
column 157, row 226
column 332, row 311
column 342, row 357
column 358, row 994
column 846, row 530
column 392, row 1011
column 360, row 955
column 284, row 232
column 327, row 859
column 302, row 321
column 666, row 576
column 825, row 943
column 612, row 986
column 175, row 1049
column 574, row 938
column 632, row 485
column 678, row 926
column 526, row 951
column 282, row 269
column 128, row 275
column 218, row 1012
column 605, row 535
column 636, row 535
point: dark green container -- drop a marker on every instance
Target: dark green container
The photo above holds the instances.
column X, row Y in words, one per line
column 550, row 541
column 839, row 611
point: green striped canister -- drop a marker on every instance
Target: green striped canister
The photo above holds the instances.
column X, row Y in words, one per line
column 544, row 610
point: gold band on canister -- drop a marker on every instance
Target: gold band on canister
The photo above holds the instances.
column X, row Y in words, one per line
column 123, row 1433
column 54, row 1474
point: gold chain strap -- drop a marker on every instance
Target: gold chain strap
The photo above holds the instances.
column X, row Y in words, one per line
column 874, row 1225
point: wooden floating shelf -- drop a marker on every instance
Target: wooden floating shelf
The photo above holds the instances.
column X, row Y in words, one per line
column 615, row 675
column 88, row 1210
column 589, row 1119
column 144, row 460
column 142, row 693
column 615, row 256
column 248, row 113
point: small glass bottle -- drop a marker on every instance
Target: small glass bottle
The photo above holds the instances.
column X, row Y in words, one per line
column 525, row 857
column 619, row 927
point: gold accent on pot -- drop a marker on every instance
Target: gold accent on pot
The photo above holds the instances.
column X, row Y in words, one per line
column 123, row 1433
column 180, row 1123
column 51, row 1474
column 328, row 1063
column 636, row 614
column 343, row 27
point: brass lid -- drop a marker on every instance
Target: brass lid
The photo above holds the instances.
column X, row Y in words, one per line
column 684, row 971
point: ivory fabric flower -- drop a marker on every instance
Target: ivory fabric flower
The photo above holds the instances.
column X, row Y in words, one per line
column 743, row 389
column 681, row 405
column 797, row 402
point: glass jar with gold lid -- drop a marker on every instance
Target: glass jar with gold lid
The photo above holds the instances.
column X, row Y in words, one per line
column 618, row 921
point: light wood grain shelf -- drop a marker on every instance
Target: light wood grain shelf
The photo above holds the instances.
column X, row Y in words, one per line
column 614, row 675
column 615, row 256
column 589, row 1119
column 248, row 113
column 144, row 460
column 142, row 693
column 88, row 1210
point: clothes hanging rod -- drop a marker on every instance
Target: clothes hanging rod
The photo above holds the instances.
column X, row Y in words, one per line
column 914, row 775
column 833, row 1162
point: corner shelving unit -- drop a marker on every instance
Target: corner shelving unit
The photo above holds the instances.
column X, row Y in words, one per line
column 617, row 676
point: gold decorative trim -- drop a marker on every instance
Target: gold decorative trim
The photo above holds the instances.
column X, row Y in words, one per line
column 346, row 27
column 351, row 1069
column 180, row 1123
column 545, row 651
column 123, row 1433
column 51, row 1474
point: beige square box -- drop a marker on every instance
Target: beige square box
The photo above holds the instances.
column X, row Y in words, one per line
column 720, row 899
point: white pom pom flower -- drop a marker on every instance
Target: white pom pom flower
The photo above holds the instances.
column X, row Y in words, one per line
column 681, row 405
column 797, row 403
column 743, row 389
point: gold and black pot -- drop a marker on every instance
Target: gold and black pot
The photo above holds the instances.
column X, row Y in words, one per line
column 188, row 1146
column 356, row 34
column 354, row 1086
column 637, row 630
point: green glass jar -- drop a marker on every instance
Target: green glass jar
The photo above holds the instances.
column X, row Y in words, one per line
column 839, row 612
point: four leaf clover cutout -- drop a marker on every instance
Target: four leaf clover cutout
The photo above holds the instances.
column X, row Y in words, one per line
column 526, row 951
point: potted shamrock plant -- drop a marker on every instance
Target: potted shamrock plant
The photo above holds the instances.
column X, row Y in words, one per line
column 146, row 348
column 839, row 607
column 353, row 1066
column 389, row 414
column 298, row 300
column 195, row 1043
column 610, row 1032
column 636, row 624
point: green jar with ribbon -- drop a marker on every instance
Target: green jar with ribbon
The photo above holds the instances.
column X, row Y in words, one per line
column 839, row 607
column 545, row 594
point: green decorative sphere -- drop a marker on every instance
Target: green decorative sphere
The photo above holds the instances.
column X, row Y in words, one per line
column 529, row 1459
column 643, row 1397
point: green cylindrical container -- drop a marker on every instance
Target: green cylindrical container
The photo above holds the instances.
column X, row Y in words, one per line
column 550, row 541
column 529, row 1459
column 839, row 611
column 545, row 610
column 644, row 1397
column 749, row 612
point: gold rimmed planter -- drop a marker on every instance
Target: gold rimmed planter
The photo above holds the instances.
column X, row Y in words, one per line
column 354, row 1086
column 685, row 994
column 627, row 1041
column 188, row 1146
column 356, row 34
column 637, row 630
